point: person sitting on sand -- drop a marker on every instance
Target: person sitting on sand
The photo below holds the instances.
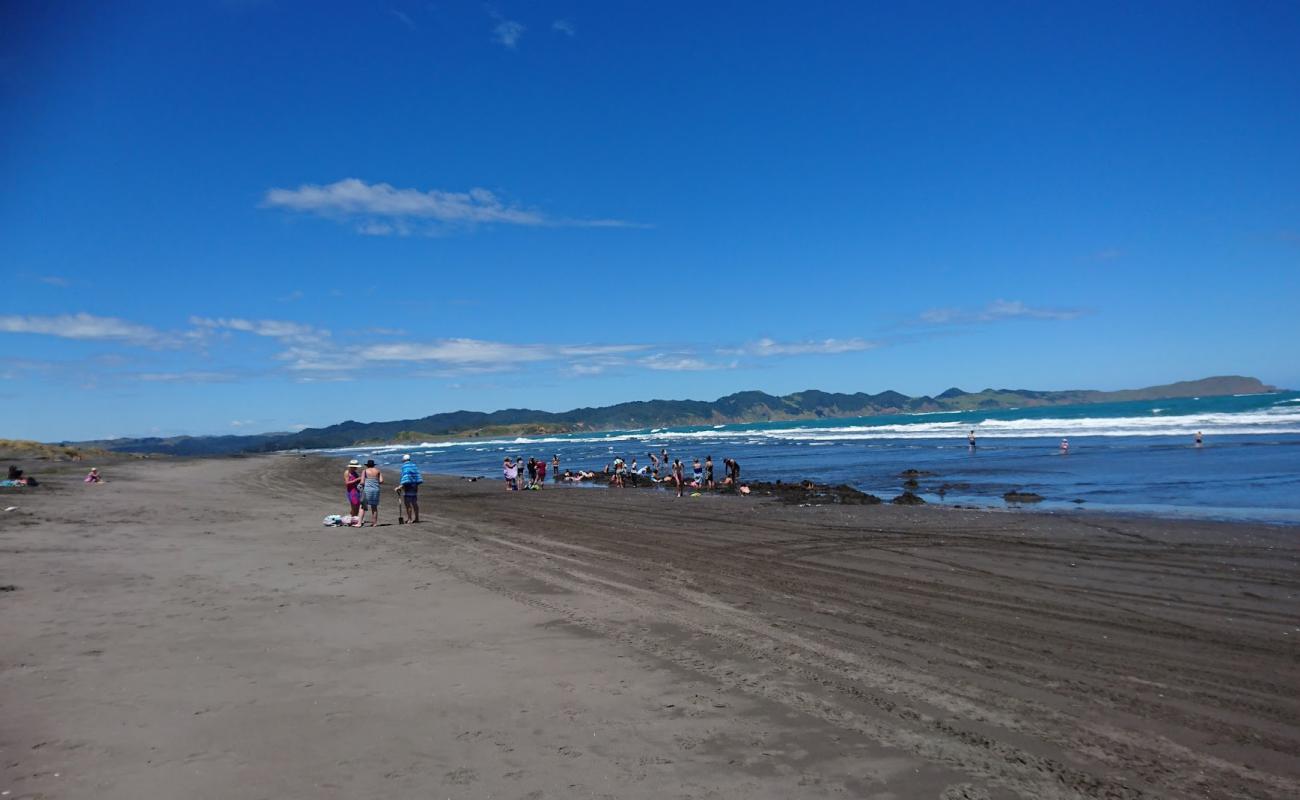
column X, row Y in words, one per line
column 93, row 476
column 352, row 486
column 410, row 487
column 371, row 477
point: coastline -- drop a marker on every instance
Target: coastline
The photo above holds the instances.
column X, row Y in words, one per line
column 194, row 626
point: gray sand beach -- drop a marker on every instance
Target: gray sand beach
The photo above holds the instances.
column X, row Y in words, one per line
column 191, row 630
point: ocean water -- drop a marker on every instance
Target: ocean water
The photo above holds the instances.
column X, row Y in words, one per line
column 1134, row 457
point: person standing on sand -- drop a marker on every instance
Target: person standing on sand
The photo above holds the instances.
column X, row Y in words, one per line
column 697, row 474
column 678, row 478
column 555, row 468
column 352, row 485
column 532, row 472
column 708, row 472
column 410, row 486
column 654, row 465
column 541, row 473
column 511, row 473
column 371, row 480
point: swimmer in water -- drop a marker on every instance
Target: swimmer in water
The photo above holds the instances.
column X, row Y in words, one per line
column 1065, row 446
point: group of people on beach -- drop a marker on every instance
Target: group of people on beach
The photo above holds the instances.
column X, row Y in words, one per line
column 362, row 486
column 521, row 475
column 528, row 475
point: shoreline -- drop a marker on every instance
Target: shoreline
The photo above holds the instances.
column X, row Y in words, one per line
column 190, row 627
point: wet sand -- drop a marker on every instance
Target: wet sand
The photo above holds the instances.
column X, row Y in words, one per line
column 190, row 629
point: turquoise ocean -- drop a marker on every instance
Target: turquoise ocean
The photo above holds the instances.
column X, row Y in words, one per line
column 1132, row 457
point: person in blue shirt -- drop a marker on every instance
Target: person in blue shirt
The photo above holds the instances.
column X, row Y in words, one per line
column 410, row 488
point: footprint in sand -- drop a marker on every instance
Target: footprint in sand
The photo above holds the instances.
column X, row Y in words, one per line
column 461, row 777
column 964, row 791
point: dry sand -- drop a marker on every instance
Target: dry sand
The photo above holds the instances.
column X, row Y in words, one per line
column 190, row 630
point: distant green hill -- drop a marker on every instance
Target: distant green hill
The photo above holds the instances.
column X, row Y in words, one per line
column 740, row 407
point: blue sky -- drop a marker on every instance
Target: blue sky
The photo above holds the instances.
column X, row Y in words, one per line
column 230, row 217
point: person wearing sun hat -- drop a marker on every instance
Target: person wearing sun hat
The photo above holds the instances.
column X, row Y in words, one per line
column 352, row 485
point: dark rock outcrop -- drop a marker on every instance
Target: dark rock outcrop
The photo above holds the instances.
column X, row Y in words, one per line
column 1022, row 497
column 908, row 499
column 815, row 494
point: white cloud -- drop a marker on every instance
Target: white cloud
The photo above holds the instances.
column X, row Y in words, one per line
column 55, row 280
column 86, row 327
column 996, row 311
column 676, row 362
column 273, row 328
column 477, row 351
column 299, row 426
column 242, row 423
column 565, row 27
column 381, row 209
column 769, row 347
column 507, row 33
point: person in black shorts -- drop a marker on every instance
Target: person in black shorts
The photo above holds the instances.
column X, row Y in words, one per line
column 708, row 472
